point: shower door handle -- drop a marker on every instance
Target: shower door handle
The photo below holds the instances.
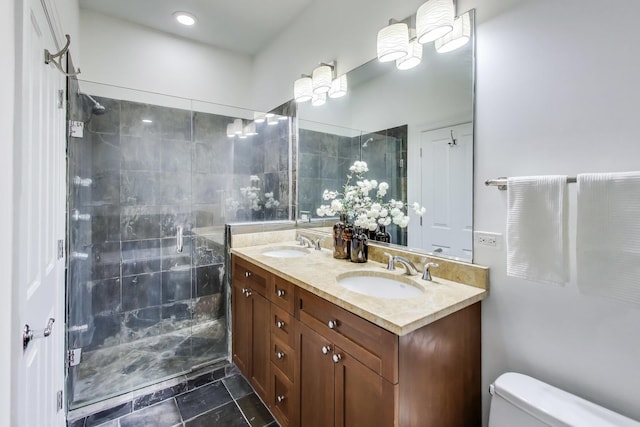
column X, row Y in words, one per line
column 179, row 243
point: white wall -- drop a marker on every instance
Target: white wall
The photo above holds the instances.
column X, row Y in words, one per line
column 119, row 53
column 557, row 92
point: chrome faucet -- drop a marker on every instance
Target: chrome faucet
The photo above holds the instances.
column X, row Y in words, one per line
column 307, row 242
column 426, row 275
column 409, row 267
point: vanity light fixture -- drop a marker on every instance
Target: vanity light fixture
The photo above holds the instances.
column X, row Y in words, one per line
column 413, row 58
column 272, row 120
column 458, row 37
column 185, row 18
column 237, row 126
column 319, row 99
column 147, row 121
column 393, row 41
column 434, row 19
column 321, row 78
column 303, row 89
column 338, row 87
column 258, row 117
column 230, row 131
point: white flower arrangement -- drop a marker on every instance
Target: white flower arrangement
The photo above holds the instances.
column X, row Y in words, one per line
column 364, row 210
column 251, row 198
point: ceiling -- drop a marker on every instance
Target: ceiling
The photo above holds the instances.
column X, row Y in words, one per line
column 243, row 26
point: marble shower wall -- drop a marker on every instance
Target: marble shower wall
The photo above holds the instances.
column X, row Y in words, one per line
column 131, row 184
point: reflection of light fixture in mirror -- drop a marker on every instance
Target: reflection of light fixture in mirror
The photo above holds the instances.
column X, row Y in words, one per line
column 458, row 37
column 321, row 78
column 185, row 18
column 303, row 89
column 434, row 19
column 282, row 118
column 250, row 129
column 237, row 126
column 230, row 130
column 413, row 58
column 338, row 87
column 393, row 42
column 319, row 99
column 258, row 117
column 272, row 120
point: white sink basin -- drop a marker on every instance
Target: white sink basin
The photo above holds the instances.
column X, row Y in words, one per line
column 380, row 285
column 286, row 252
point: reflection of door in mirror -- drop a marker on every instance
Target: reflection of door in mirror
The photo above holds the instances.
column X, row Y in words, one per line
column 445, row 171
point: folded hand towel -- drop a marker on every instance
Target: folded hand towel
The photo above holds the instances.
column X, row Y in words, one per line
column 536, row 224
column 608, row 235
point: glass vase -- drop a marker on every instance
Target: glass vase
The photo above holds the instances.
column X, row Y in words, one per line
column 359, row 246
column 382, row 235
column 341, row 237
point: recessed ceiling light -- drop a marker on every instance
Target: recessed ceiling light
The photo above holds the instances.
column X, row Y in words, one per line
column 185, row 18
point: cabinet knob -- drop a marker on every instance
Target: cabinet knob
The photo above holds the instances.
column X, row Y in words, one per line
column 246, row 292
column 280, row 355
column 326, row 349
column 280, row 324
column 280, row 293
column 336, row 357
column 247, row 274
column 281, row 398
column 332, row 324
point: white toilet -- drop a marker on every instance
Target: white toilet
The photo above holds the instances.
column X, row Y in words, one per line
column 521, row 401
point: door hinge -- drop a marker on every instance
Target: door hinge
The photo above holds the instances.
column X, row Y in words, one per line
column 60, row 99
column 60, row 249
column 73, row 356
column 59, row 400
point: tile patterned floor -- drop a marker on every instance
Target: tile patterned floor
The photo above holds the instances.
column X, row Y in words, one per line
column 221, row 397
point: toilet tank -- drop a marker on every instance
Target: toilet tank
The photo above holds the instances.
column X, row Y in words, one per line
column 522, row 401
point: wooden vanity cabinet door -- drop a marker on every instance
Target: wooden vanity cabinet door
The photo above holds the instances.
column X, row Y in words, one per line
column 362, row 397
column 250, row 317
column 315, row 379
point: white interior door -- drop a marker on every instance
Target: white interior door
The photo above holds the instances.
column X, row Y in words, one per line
column 447, row 188
column 40, row 189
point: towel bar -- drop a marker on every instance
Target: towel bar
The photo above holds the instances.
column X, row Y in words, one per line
column 501, row 182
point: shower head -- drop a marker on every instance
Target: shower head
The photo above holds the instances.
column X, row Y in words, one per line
column 366, row 143
column 96, row 108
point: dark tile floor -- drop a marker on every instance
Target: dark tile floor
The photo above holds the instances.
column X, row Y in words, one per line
column 221, row 397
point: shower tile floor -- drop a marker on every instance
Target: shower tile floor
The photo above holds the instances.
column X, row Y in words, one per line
column 110, row 371
column 217, row 397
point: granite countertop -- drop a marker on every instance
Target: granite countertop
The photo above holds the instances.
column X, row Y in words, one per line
column 317, row 271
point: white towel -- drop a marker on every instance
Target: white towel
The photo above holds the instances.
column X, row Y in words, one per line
column 536, row 228
column 608, row 235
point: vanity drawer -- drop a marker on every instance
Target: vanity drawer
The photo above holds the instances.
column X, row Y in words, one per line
column 372, row 345
column 283, row 357
column 283, row 399
column 250, row 276
column 282, row 325
column 282, row 293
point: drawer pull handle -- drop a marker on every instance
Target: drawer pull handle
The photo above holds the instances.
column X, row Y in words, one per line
column 326, row 349
column 332, row 324
column 280, row 355
column 247, row 274
column 336, row 357
column 281, row 398
column 280, row 324
column 280, row 293
column 246, row 292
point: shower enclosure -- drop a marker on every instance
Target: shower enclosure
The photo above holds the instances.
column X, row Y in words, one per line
column 151, row 182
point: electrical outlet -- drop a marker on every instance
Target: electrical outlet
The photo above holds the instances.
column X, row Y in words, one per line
column 487, row 239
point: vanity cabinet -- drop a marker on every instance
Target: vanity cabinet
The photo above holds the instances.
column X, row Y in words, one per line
column 322, row 365
column 250, row 317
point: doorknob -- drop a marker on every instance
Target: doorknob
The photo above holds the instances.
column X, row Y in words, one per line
column 28, row 334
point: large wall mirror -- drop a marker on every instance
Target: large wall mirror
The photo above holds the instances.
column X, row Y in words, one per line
column 414, row 129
